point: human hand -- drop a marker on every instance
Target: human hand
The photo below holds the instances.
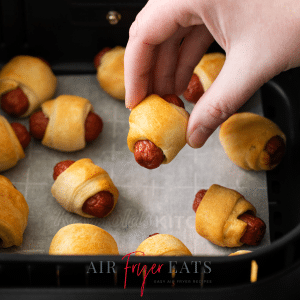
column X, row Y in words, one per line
column 260, row 38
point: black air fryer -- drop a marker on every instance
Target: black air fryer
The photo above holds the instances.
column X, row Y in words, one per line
column 53, row 29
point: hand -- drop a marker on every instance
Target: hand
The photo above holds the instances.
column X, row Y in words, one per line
column 260, row 38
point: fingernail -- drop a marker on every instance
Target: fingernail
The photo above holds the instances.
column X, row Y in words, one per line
column 196, row 138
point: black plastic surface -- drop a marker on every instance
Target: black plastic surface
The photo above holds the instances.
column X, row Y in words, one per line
column 68, row 34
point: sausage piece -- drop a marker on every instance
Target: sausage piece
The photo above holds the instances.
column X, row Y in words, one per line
column 153, row 234
column 198, row 198
column 38, row 123
column 275, row 147
column 93, row 126
column 22, row 134
column 255, row 229
column 99, row 205
column 98, row 57
column 174, row 99
column 194, row 90
column 146, row 153
column 61, row 167
column 15, row 103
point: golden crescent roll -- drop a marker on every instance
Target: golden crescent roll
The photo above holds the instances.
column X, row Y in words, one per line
column 162, row 245
column 160, row 122
column 13, row 214
column 110, row 73
column 82, row 180
column 252, row 142
column 209, row 68
column 240, row 252
column 83, row 239
column 66, row 127
column 217, row 216
column 33, row 76
column 11, row 150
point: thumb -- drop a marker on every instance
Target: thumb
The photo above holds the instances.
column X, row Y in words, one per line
column 238, row 80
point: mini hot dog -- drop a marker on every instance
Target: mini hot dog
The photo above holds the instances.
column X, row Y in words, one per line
column 157, row 130
column 14, row 140
column 15, row 103
column 98, row 57
column 93, row 125
column 204, row 75
column 82, row 187
column 83, row 239
column 109, row 64
column 73, row 114
column 25, row 83
column 252, row 142
column 22, row 134
column 98, row 205
column 226, row 218
column 13, row 214
column 162, row 245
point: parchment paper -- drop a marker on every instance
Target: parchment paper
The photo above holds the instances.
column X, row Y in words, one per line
column 150, row 201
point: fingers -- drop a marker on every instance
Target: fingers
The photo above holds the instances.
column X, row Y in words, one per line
column 148, row 43
column 139, row 61
column 194, row 46
column 166, row 63
column 145, row 34
column 238, row 80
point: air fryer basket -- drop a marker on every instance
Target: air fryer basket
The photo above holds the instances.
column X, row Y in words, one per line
column 68, row 34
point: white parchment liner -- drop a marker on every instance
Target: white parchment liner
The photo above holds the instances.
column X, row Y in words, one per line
column 150, row 201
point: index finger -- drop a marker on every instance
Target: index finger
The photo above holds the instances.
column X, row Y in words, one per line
column 138, row 62
column 153, row 26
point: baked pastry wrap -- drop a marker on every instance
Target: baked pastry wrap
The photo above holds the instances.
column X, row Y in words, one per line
column 82, row 180
column 33, row 76
column 110, row 73
column 209, row 68
column 66, row 127
column 83, row 239
column 244, row 137
column 217, row 216
column 13, row 214
column 160, row 122
column 240, row 252
column 11, row 150
column 162, row 245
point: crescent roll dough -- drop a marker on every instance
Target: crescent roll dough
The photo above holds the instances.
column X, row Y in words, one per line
column 66, row 127
column 240, row 252
column 209, row 68
column 244, row 136
column 11, row 150
column 110, row 73
column 83, row 239
column 217, row 216
column 160, row 122
column 13, row 214
column 33, row 76
column 162, row 245
column 82, row 180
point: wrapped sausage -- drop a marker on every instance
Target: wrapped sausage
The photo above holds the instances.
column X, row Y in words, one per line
column 80, row 181
column 25, row 83
column 13, row 214
column 160, row 122
column 83, row 239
